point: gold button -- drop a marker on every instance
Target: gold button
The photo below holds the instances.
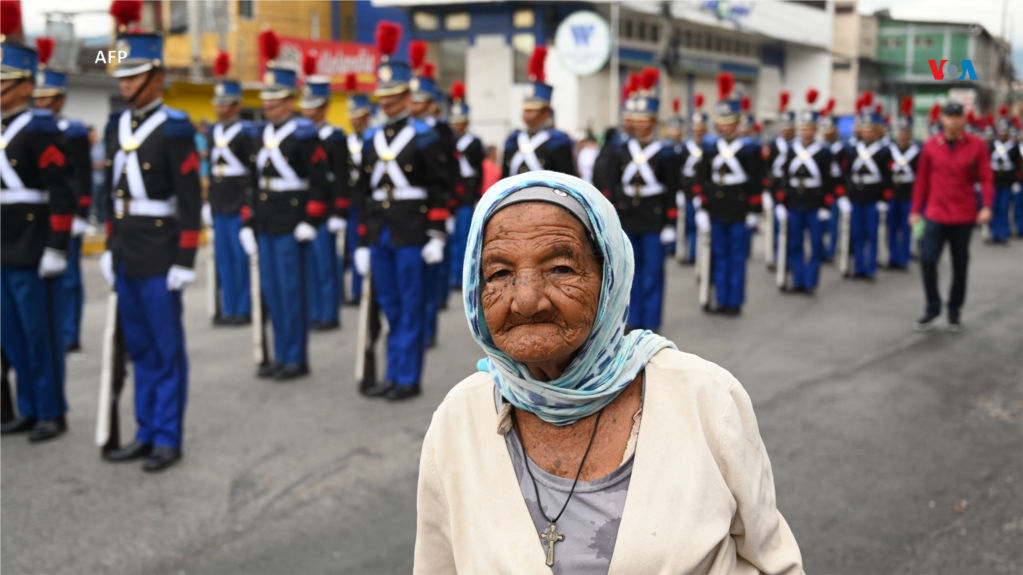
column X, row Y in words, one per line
column 267, row 164
column 30, row 217
column 369, row 169
column 657, row 210
column 287, row 159
column 389, row 132
column 387, row 187
column 146, row 166
column 542, row 162
column 14, row 162
column 386, row 204
column 408, row 167
column 635, row 201
column 294, row 201
column 124, row 170
column 134, row 124
column 422, row 209
column 262, row 197
column 120, row 215
column 720, row 194
column 252, row 157
column 159, row 223
column 108, row 163
column 120, row 193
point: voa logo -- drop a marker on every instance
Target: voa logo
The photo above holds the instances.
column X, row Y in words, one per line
column 945, row 70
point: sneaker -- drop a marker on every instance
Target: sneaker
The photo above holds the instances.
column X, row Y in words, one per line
column 926, row 322
column 954, row 326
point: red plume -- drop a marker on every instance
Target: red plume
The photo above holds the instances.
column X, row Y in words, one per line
column 783, row 101
column 269, row 44
column 1003, row 110
column 416, row 53
column 222, row 63
column 126, row 11
column 989, row 119
column 388, row 35
column 351, row 83
column 536, row 64
column 699, row 100
column 811, row 96
column 45, row 47
column 745, row 103
column 935, row 112
column 888, row 119
column 457, row 90
column 309, row 63
column 868, row 99
column 649, row 77
column 10, row 17
column 725, row 84
column 1018, row 125
column 757, row 127
column 829, row 108
column 429, row 71
column 907, row 106
column 877, row 109
column 674, row 105
column 971, row 118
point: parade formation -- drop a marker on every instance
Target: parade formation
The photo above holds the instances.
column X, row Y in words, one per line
column 303, row 218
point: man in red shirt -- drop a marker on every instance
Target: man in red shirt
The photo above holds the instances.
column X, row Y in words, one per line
column 951, row 164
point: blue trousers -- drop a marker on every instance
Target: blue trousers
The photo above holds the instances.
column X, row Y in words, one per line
column 805, row 272
column 728, row 263
column 1000, row 214
column 321, row 275
column 352, row 242
column 232, row 266
column 863, row 237
column 463, row 220
column 31, row 339
column 647, row 296
column 831, row 229
column 399, row 276
column 73, row 297
column 155, row 339
column 690, row 232
column 900, row 235
column 1017, row 212
column 433, row 292
column 281, row 262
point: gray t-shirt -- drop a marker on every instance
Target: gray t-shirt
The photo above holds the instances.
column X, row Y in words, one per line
column 591, row 520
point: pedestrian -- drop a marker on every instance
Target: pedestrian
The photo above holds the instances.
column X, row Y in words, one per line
column 469, row 154
column 155, row 198
column 551, row 271
column 868, row 191
column 1006, row 165
column 37, row 204
column 951, row 163
column 905, row 153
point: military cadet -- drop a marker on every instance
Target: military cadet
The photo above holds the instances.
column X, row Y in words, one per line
column 779, row 147
column 404, row 209
column 869, row 180
column 747, row 129
column 905, row 153
column 50, row 93
column 540, row 146
column 469, row 154
column 155, row 200
column 605, row 165
column 1005, row 163
column 675, row 127
column 648, row 174
column 829, row 133
column 934, row 125
column 804, row 200
column 37, row 205
column 230, row 191
column 359, row 111
column 730, row 173
column 1017, row 188
column 691, row 161
column 323, row 275
column 291, row 200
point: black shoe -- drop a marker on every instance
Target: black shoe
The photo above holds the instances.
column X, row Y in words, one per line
column 241, row 320
column 431, row 343
column 379, row 390
column 268, row 370
column 17, row 425
column 221, row 320
column 161, row 458
column 47, row 429
column 291, row 371
column 327, row 325
column 953, row 324
column 399, row 392
column 714, row 310
column 352, row 302
column 135, row 450
column 926, row 322
column 791, row 290
column 443, row 304
column 808, row 292
column 732, row 311
column 72, row 347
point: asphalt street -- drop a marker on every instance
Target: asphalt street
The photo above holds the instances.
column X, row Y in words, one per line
column 893, row 451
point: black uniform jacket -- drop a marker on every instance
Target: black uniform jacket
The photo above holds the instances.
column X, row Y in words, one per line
column 1007, row 177
column 336, row 144
column 868, row 193
column 150, row 245
column 797, row 185
column 646, row 214
column 731, row 202
column 902, row 186
column 80, row 154
column 229, row 194
column 555, row 154
column 38, row 156
column 689, row 180
column 424, row 165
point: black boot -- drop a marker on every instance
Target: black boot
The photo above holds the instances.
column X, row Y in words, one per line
column 379, row 390
column 134, row 450
column 17, row 425
column 399, row 392
column 268, row 370
column 291, row 371
column 161, row 458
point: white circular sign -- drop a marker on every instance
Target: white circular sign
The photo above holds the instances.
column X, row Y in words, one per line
column 583, row 42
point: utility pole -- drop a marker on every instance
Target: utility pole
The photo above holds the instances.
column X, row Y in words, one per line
column 195, row 70
column 613, row 72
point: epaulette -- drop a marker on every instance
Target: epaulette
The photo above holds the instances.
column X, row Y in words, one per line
column 420, row 126
column 425, row 135
column 76, row 130
column 513, row 139
column 338, row 134
column 367, row 136
column 254, row 129
column 42, row 122
column 178, row 125
column 558, row 139
column 115, row 117
column 305, row 129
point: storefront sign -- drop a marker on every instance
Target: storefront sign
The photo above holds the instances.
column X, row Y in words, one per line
column 334, row 59
column 583, row 42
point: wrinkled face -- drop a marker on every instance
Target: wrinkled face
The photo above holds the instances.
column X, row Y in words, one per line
column 540, row 283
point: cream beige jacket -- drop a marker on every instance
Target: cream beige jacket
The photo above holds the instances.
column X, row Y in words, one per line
column 701, row 498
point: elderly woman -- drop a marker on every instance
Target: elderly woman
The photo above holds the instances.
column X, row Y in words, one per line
column 579, row 448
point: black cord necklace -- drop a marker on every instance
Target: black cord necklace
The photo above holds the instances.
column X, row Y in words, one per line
column 553, row 536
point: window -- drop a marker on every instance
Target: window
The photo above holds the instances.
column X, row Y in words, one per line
column 627, row 28
column 641, row 31
column 457, row 21
column 524, row 18
column 841, row 66
column 178, row 17
column 425, row 21
column 522, row 47
column 687, row 39
column 923, row 42
column 246, row 8
column 698, row 41
column 891, row 43
column 655, row 33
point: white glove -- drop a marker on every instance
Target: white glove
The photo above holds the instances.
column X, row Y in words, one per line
column 361, row 260
column 79, row 227
column 207, row 216
column 680, row 201
column 305, row 232
column 697, row 202
column 449, row 226
column 53, row 263
column 767, row 199
column 752, row 221
column 433, row 251
column 179, row 277
column 702, row 221
column 668, row 235
column 336, row 224
column 106, row 265
column 248, row 240
column 844, row 205
column 882, row 207
column 1016, row 188
column 823, row 214
column 781, row 213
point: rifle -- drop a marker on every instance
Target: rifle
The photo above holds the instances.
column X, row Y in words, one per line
column 6, row 399
column 883, row 255
column 212, row 282
column 681, row 249
column 844, row 225
column 703, row 266
column 368, row 332
column 111, row 381
column 783, row 242
column 768, row 202
column 259, row 350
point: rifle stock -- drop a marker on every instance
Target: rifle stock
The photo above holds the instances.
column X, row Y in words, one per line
column 368, row 331
column 783, row 242
column 108, row 436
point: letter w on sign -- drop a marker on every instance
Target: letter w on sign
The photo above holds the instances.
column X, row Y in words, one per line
column 937, row 69
column 191, row 163
column 51, row 156
column 582, row 35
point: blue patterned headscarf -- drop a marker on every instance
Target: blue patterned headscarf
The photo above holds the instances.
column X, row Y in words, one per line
column 609, row 359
